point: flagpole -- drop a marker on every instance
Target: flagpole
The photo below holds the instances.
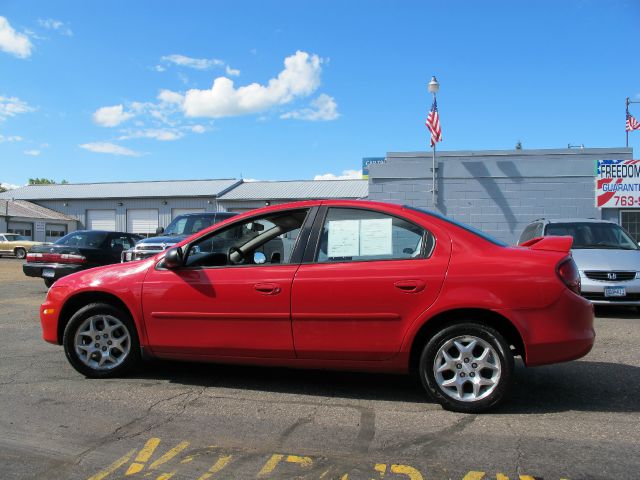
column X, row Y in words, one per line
column 433, row 88
column 627, row 116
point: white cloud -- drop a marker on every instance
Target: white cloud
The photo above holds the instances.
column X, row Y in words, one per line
column 169, row 96
column 322, row 108
column 157, row 134
column 234, row 72
column 198, row 129
column 10, row 186
column 12, row 42
column 159, row 68
column 111, row 116
column 300, row 77
column 12, row 106
column 346, row 175
column 32, row 153
column 10, row 138
column 57, row 25
column 190, row 62
column 110, row 148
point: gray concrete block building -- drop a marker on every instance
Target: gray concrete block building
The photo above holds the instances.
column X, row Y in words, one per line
column 500, row 191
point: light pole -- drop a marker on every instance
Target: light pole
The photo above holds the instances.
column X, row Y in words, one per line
column 433, row 88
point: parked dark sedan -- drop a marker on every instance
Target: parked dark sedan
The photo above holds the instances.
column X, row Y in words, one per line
column 77, row 251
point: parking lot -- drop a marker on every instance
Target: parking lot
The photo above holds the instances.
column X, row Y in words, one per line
column 578, row 420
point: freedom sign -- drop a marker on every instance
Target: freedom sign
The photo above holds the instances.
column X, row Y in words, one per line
column 617, row 183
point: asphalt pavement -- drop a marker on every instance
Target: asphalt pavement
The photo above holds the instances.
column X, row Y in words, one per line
column 171, row 420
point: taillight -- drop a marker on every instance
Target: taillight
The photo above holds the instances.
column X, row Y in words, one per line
column 569, row 274
column 72, row 258
column 56, row 258
column 34, row 257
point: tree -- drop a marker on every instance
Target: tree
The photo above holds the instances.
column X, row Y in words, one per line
column 41, row 181
column 2, row 189
column 519, row 145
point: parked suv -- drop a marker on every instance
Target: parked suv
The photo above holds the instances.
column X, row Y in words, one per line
column 180, row 228
column 607, row 256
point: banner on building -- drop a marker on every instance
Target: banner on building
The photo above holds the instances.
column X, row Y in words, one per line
column 370, row 161
column 617, row 183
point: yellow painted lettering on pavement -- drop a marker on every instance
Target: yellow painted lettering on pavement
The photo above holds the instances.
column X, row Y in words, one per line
column 169, row 455
column 276, row 458
column 474, row 476
column 271, row 464
column 407, row 470
column 143, row 456
column 113, row 467
column 381, row 468
column 216, row 467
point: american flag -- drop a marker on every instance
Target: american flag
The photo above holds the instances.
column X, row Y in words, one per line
column 433, row 124
column 632, row 123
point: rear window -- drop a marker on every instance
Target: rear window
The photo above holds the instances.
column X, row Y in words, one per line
column 594, row 235
column 464, row 226
column 83, row 239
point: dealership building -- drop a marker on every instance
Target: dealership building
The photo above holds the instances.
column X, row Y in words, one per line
column 497, row 191
column 501, row 191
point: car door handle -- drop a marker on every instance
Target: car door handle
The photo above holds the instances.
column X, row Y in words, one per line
column 410, row 286
column 267, row 288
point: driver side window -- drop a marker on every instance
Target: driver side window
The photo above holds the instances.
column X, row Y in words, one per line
column 267, row 240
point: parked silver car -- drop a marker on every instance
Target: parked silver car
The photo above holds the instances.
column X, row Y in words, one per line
column 607, row 256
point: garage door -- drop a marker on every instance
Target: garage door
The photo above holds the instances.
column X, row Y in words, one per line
column 181, row 211
column 142, row 221
column 54, row 232
column 101, row 220
column 21, row 228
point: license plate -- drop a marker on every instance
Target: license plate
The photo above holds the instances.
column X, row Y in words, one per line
column 47, row 272
column 614, row 292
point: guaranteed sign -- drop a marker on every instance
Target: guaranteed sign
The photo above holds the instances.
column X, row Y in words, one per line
column 617, row 183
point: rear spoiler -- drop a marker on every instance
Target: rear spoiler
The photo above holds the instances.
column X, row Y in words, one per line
column 550, row 244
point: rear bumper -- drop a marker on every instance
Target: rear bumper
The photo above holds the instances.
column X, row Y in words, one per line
column 560, row 332
column 59, row 269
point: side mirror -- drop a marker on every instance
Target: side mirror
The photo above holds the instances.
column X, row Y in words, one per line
column 159, row 230
column 173, row 259
column 259, row 258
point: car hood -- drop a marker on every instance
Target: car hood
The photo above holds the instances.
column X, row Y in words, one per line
column 106, row 276
column 606, row 259
column 163, row 239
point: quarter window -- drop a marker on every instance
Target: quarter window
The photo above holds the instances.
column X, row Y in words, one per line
column 359, row 235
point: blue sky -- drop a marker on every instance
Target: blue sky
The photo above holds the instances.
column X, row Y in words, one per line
column 122, row 90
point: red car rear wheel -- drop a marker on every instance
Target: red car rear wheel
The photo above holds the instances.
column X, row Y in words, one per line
column 467, row 367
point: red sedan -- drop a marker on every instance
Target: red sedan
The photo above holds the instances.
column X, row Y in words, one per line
column 334, row 284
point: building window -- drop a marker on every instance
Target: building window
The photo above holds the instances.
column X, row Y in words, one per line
column 630, row 221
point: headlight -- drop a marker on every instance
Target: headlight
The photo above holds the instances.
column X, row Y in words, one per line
column 637, row 275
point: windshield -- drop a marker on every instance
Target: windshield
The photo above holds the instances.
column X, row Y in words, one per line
column 13, row 238
column 464, row 226
column 594, row 235
column 83, row 239
column 186, row 225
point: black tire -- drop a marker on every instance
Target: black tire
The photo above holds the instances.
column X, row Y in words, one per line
column 48, row 282
column 100, row 312
column 21, row 253
column 465, row 398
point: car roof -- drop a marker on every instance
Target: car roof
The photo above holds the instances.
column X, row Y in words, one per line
column 575, row 220
column 208, row 214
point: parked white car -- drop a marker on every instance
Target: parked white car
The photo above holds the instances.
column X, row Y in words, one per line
column 607, row 256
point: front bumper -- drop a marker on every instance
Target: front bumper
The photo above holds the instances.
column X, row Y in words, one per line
column 59, row 269
column 594, row 291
